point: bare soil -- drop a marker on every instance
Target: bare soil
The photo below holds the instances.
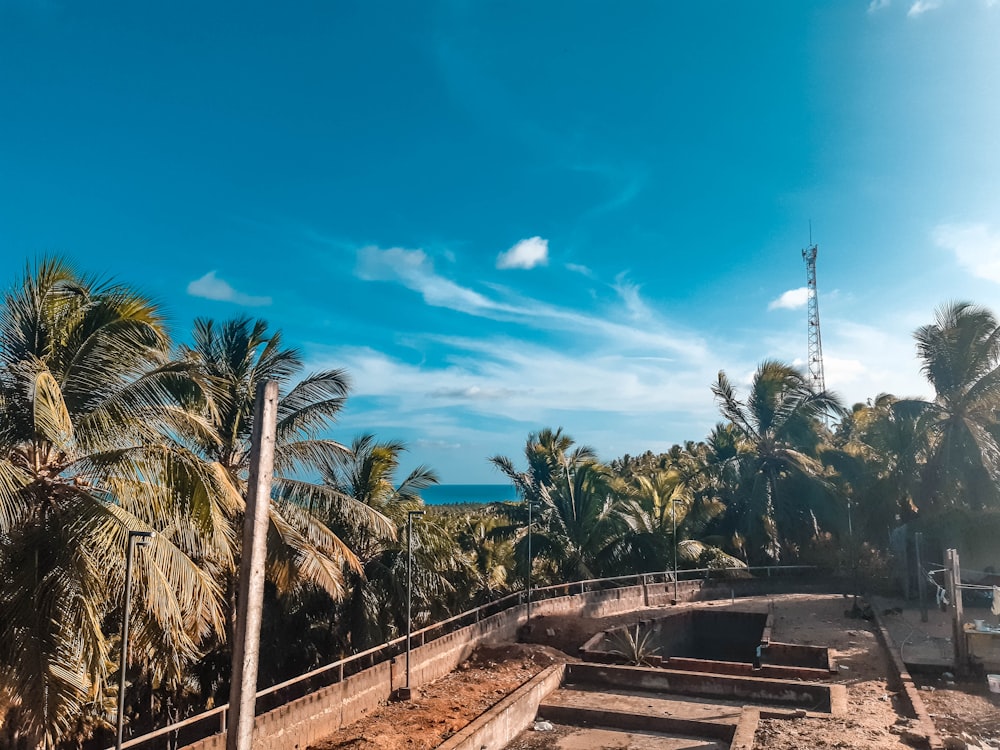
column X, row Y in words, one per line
column 964, row 708
column 445, row 706
column 874, row 718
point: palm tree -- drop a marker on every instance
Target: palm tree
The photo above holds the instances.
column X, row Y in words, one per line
column 778, row 431
column 960, row 353
column 878, row 462
column 660, row 512
column 235, row 356
column 88, row 452
column 577, row 501
column 377, row 597
column 303, row 553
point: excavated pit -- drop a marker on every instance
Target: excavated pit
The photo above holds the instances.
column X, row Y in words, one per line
column 721, row 642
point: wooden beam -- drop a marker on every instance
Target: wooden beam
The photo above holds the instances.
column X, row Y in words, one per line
column 953, row 580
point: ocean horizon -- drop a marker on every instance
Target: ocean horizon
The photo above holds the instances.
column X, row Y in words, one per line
column 474, row 494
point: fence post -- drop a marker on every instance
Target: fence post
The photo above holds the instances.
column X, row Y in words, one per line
column 953, row 579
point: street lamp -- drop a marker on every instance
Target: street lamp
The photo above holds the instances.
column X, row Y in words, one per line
column 135, row 539
column 409, row 588
column 673, row 519
column 531, row 505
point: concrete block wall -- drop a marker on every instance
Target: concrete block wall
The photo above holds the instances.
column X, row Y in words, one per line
column 504, row 721
column 307, row 720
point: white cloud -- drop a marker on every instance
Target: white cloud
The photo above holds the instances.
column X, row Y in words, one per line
column 629, row 292
column 976, row 246
column 212, row 287
column 877, row 5
column 922, row 6
column 793, row 299
column 414, row 270
column 582, row 270
column 526, row 382
column 528, row 253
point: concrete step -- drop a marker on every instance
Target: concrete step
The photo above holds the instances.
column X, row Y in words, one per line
column 634, row 710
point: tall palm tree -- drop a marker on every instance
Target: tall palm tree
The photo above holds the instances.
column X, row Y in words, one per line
column 660, row 513
column 89, row 451
column 303, row 553
column 577, row 500
column 778, row 428
column 960, row 353
column 235, row 356
column 878, row 462
column 377, row 598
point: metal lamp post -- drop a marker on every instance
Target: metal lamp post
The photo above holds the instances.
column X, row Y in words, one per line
column 673, row 519
column 409, row 588
column 531, row 504
column 135, row 539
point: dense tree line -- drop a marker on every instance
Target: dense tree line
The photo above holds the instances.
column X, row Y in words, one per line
column 109, row 426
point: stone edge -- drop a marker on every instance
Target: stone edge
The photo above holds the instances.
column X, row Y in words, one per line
column 926, row 725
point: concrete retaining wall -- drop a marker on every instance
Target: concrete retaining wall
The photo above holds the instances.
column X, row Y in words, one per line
column 508, row 718
column 307, row 720
column 778, row 692
column 925, row 725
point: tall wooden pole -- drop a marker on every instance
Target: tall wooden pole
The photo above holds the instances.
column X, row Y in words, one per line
column 953, row 579
column 918, row 541
column 250, row 599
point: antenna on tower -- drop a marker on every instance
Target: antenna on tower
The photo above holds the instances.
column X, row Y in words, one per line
column 817, row 381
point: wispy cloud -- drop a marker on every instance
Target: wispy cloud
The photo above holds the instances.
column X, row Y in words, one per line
column 582, row 270
column 876, row 5
column 922, row 6
column 528, row 253
column 415, row 270
column 212, row 287
column 793, row 299
column 976, row 246
column 532, row 383
column 629, row 293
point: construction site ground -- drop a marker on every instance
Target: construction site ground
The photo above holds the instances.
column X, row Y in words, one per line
column 875, row 717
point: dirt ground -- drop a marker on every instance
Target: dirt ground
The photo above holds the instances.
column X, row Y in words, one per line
column 965, row 709
column 446, row 705
column 874, row 718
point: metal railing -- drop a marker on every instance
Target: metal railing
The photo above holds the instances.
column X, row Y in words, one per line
column 213, row 721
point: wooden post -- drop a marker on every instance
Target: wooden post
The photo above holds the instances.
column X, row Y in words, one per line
column 953, row 579
column 250, row 599
column 918, row 540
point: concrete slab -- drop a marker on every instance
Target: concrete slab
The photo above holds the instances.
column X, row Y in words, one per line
column 648, row 704
column 923, row 646
column 610, row 739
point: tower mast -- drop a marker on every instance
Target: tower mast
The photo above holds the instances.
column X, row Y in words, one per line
column 816, row 379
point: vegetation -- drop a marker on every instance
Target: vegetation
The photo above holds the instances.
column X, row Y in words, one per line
column 109, row 426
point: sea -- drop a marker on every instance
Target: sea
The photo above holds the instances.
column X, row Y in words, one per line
column 474, row 494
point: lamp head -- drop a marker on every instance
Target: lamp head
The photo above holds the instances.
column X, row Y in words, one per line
column 142, row 538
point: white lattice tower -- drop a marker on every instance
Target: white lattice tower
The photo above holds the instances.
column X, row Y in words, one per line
column 816, row 379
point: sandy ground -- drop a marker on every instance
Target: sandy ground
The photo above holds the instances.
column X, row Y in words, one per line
column 964, row 709
column 445, row 706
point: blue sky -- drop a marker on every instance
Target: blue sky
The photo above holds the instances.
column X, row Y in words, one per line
column 500, row 216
